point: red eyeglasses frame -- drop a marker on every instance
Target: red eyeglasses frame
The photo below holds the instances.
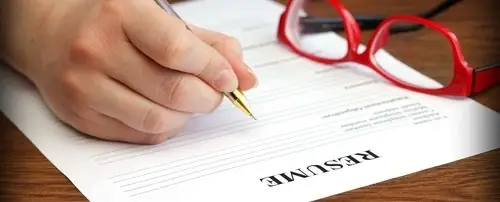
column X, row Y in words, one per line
column 466, row 80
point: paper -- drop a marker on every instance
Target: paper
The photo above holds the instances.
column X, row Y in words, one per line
column 321, row 130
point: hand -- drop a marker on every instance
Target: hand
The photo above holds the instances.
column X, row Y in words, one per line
column 124, row 70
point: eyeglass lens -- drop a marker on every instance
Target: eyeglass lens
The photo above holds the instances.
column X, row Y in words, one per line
column 308, row 35
column 427, row 51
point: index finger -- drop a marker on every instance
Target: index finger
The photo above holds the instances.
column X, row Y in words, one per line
column 166, row 40
column 230, row 48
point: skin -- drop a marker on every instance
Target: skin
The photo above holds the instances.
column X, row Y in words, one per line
column 120, row 70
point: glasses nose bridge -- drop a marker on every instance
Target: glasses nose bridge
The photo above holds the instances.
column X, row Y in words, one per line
column 359, row 56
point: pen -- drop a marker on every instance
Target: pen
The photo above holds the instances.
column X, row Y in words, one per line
column 236, row 97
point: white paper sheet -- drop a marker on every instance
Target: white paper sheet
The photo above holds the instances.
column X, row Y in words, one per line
column 321, row 130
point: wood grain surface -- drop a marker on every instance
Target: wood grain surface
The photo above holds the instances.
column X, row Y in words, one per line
column 26, row 175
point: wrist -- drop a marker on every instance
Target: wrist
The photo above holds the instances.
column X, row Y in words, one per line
column 7, row 20
column 20, row 23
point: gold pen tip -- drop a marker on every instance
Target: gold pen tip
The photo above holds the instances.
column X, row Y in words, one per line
column 239, row 99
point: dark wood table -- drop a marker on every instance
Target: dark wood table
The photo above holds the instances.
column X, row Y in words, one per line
column 26, row 175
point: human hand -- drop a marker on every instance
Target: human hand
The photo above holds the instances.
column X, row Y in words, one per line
column 125, row 70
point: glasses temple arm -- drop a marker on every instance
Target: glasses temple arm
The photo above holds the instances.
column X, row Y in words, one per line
column 440, row 8
column 485, row 77
column 443, row 6
column 313, row 24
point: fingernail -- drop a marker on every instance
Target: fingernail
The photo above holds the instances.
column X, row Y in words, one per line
column 254, row 76
column 226, row 81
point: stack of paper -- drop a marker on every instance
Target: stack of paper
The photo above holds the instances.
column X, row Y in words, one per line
column 321, row 130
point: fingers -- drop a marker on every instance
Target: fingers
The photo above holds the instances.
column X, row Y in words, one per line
column 169, row 88
column 165, row 39
column 107, row 128
column 230, row 48
column 108, row 97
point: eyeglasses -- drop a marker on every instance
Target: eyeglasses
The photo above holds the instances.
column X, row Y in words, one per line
column 301, row 32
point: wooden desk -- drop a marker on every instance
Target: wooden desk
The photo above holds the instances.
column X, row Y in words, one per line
column 26, row 175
